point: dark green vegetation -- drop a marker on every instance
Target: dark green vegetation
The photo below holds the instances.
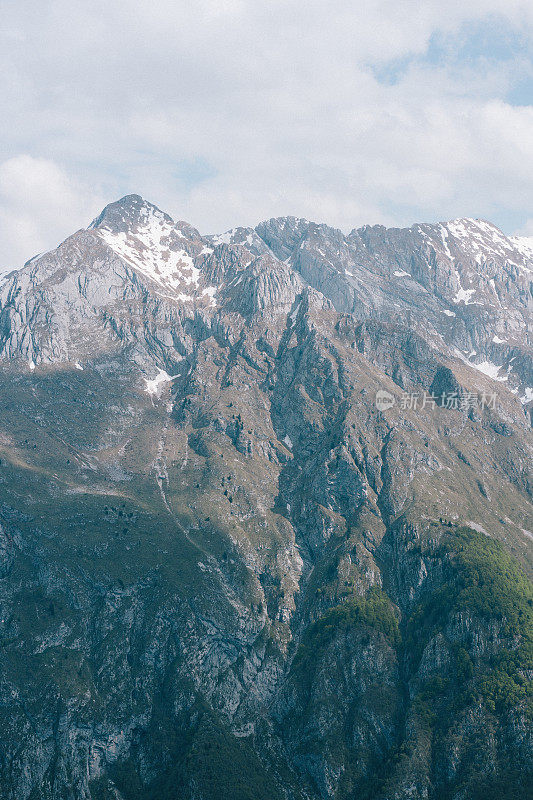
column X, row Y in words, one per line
column 483, row 582
column 477, row 615
column 479, row 580
column 217, row 763
column 374, row 611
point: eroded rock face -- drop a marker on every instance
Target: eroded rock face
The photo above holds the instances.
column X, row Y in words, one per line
column 224, row 571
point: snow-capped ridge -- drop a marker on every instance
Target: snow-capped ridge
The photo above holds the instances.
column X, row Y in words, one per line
column 524, row 245
column 152, row 243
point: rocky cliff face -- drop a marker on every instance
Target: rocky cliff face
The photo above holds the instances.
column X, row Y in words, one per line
column 224, row 570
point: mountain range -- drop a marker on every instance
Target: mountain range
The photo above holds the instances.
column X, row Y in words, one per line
column 265, row 513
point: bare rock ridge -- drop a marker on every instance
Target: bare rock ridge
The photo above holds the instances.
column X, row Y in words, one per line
column 224, row 570
column 463, row 283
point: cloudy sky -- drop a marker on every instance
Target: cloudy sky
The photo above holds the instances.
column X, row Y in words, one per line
column 226, row 112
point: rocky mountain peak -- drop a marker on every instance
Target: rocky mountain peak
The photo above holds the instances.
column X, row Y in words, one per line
column 462, row 285
column 524, row 245
column 282, row 234
column 246, row 237
column 127, row 213
column 151, row 242
column 479, row 238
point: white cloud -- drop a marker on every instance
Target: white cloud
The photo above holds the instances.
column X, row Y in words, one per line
column 39, row 206
column 527, row 229
column 278, row 99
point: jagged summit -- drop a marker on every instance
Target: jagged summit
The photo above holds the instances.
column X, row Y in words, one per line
column 524, row 244
column 133, row 211
column 482, row 236
column 127, row 211
column 282, row 234
column 132, row 217
column 246, row 237
column 152, row 242
column 462, row 284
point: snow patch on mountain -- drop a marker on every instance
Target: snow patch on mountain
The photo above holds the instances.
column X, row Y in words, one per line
column 490, row 369
column 223, row 238
column 210, row 292
column 148, row 247
column 444, row 237
column 463, row 296
column 527, row 397
column 484, row 241
column 245, row 237
column 153, row 386
column 524, row 245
